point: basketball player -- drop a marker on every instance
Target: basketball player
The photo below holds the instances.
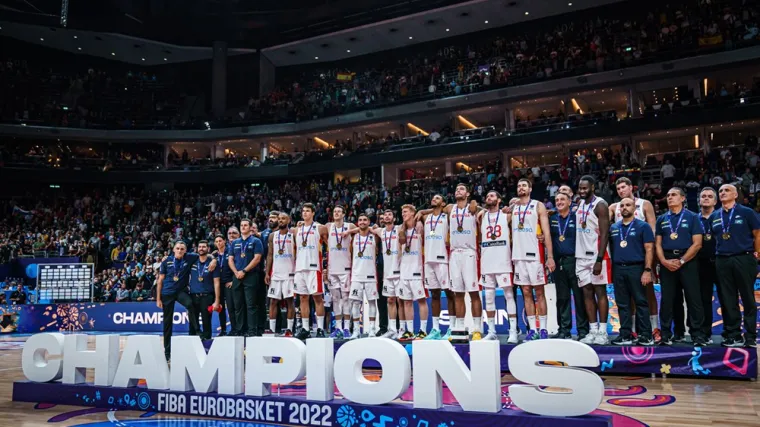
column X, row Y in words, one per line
column 339, row 269
column 280, row 273
column 496, row 263
column 411, row 287
column 308, row 274
column 645, row 212
column 389, row 236
column 363, row 276
column 592, row 260
column 529, row 219
column 436, row 232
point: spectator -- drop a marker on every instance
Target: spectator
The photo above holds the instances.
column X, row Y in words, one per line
column 18, row 296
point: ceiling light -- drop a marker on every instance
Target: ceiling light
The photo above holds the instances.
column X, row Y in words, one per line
column 527, row 13
column 143, row 59
column 316, row 57
column 113, row 54
column 486, row 22
column 447, row 30
column 41, row 39
column 569, row 4
column 410, row 37
column 348, row 50
column 79, row 48
column 164, row 59
column 75, row 37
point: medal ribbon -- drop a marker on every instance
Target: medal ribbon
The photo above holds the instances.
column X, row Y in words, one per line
column 305, row 236
column 723, row 225
column 244, row 244
column 388, row 238
column 559, row 223
column 702, row 224
column 337, row 240
column 521, row 215
column 205, row 267
column 409, row 238
column 587, row 209
column 281, row 242
column 362, row 248
column 177, row 262
column 460, row 221
column 434, row 224
column 488, row 214
column 626, row 232
column 678, row 221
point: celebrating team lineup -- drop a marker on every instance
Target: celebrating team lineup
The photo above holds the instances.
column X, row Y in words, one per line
column 467, row 252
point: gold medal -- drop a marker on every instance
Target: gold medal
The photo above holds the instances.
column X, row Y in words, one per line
column 176, row 278
column 303, row 244
column 708, row 236
column 673, row 236
column 493, row 236
column 460, row 229
column 583, row 224
column 561, row 238
column 432, row 232
column 200, row 279
column 623, row 243
column 361, row 254
column 520, row 225
column 408, row 249
column 339, row 246
column 280, row 252
column 726, row 236
column 242, row 255
column 388, row 252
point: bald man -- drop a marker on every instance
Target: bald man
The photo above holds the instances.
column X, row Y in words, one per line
column 737, row 229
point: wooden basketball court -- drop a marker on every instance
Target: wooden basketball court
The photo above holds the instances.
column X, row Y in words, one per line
column 633, row 401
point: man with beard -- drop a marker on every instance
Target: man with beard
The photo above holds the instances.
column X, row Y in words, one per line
column 339, row 269
column 436, row 267
column 245, row 263
column 463, row 260
column 706, row 262
column 171, row 287
column 645, row 212
column 225, row 277
column 308, row 274
column 736, row 253
column 529, row 219
column 496, row 263
column 592, row 262
column 205, row 289
column 273, row 224
column 632, row 247
column 363, row 276
column 280, row 273
column 411, row 266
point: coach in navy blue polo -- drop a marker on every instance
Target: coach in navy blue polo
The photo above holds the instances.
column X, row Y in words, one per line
column 736, row 229
column 678, row 241
column 632, row 247
column 205, row 287
column 172, row 287
column 562, row 227
column 245, row 263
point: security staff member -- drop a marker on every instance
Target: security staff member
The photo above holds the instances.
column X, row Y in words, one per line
column 678, row 240
column 632, row 247
column 736, row 230
column 171, row 287
column 226, row 299
column 205, row 287
column 562, row 226
column 706, row 260
column 245, row 261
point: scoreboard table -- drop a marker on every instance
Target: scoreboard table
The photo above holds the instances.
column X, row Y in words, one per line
column 65, row 282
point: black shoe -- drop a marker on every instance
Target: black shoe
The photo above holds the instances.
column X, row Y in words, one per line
column 666, row 341
column 250, row 334
column 750, row 343
column 645, row 341
column 320, row 333
column 698, row 342
column 303, row 334
column 621, row 340
column 222, row 334
column 679, row 338
column 561, row 336
column 381, row 332
column 733, row 342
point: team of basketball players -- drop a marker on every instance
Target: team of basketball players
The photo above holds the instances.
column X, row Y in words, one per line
column 457, row 249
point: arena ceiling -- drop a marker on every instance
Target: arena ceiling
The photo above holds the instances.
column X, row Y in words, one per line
column 290, row 32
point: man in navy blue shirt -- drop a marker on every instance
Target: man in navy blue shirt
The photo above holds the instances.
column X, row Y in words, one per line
column 171, row 287
column 562, row 226
column 737, row 232
column 678, row 240
column 245, row 263
column 632, row 247
column 205, row 287
column 223, row 249
column 706, row 259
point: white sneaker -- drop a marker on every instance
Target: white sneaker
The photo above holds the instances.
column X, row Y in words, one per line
column 356, row 334
column 491, row 336
column 397, row 335
column 601, row 338
column 590, row 338
column 371, row 332
column 390, row 334
column 513, row 338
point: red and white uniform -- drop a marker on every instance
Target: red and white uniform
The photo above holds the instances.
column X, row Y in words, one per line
column 411, row 288
column 587, row 246
column 436, row 252
column 463, row 264
column 283, row 267
column 391, row 262
column 638, row 213
column 338, row 259
column 308, row 277
column 527, row 252
column 363, row 268
column 495, row 253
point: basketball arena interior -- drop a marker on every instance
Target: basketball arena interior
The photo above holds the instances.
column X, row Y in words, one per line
column 412, row 213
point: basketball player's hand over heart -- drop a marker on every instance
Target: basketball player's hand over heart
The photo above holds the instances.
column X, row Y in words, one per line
column 550, row 265
column 597, row 268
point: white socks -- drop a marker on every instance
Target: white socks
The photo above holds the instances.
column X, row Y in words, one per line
column 459, row 324
column 593, row 327
column 435, row 323
column 542, row 322
column 491, row 325
column 410, row 325
column 320, row 322
column 290, row 324
column 602, row 327
column 305, row 321
column 423, row 325
column 478, row 324
column 391, row 324
column 633, row 324
column 512, row 323
column 531, row 323
column 656, row 321
column 272, row 325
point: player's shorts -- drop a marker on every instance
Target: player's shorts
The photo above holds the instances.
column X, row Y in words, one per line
column 437, row 276
column 309, row 282
column 584, row 269
column 411, row 290
column 279, row 289
column 529, row 273
column 339, row 281
column 494, row 280
column 361, row 289
column 463, row 271
column 391, row 287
